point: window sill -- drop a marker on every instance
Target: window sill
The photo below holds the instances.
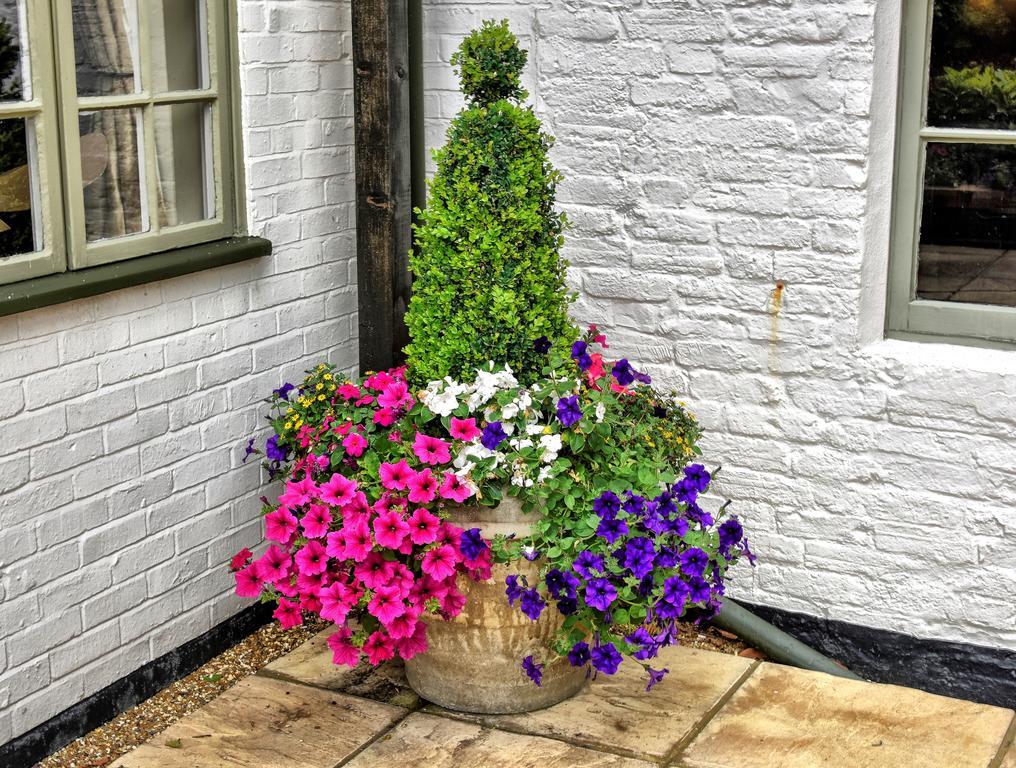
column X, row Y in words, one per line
column 67, row 286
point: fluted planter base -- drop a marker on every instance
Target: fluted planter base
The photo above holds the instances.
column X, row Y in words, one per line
column 474, row 661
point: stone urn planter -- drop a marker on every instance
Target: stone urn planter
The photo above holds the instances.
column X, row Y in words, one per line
column 473, row 663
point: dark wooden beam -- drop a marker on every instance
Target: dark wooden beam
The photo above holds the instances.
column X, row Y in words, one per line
column 383, row 204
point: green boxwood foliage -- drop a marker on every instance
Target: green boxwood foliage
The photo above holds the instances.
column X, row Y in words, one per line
column 489, row 278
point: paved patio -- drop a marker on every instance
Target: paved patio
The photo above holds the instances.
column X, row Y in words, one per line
column 713, row 711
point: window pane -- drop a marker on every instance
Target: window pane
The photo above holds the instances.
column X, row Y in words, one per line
column 105, row 46
column 17, row 188
column 972, row 82
column 179, row 45
column 111, row 173
column 967, row 250
column 14, row 81
column 181, row 146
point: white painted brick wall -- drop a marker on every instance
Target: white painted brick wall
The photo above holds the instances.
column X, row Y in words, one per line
column 712, row 148
column 123, row 417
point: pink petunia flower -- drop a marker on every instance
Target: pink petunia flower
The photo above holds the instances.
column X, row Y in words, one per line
column 310, row 583
column 336, row 601
column 423, row 526
column 299, row 492
column 315, row 523
column 431, row 450
column 395, row 477
column 422, row 487
column 312, row 558
column 379, row 647
column 310, row 603
column 404, row 625
column 386, row 605
column 288, row 614
column 349, row 392
column 453, row 603
column 385, row 417
column 240, row 559
column 274, row 565
column 338, row 491
column 355, row 444
column 439, row 563
column 425, row 589
column 417, row 643
column 455, row 488
column 464, row 429
column 480, row 568
column 374, row 572
column 356, row 542
column 402, row 578
column 343, row 651
column 248, row 582
column 390, row 529
column 395, row 396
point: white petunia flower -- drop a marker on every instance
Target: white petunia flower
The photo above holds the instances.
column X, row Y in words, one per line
column 601, row 411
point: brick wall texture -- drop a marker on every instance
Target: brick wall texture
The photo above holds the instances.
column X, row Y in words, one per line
column 124, row 416
column 712, row 150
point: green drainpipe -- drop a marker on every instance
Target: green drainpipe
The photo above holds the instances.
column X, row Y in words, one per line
column 417, row 140
column 774, row 642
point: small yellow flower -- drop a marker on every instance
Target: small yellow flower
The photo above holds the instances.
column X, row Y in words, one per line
column 327, row 377
column 320, row 397
column 319, row 386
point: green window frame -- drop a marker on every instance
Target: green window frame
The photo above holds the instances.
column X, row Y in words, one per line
column 908, row 316
column 53, row 111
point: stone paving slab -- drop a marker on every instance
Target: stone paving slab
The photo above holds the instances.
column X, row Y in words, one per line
column 269, row 724
column 428, row 741
column 311, row 664
column 790, row 718
column 615, row 713
column 1009, row 761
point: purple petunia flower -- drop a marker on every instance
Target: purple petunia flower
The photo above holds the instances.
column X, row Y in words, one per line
column 747, row 552
column 655, row 676
column 675, row 591
column 611, row 530
column 694, row 561
column 493, row 435
column 568, row 410
column 665, row 504
column 567, row 605
column 623, row 372
column 273, row 451
column 667, row 558
column 284, row 391
column 586, row 563
column 648, row 647
column 513, row 590
column 578, row 348
column 533, row 670
column 699, row 591
column 607, row 505
column 696, row 514
column 606, row 658
column 635, row 505
column 248, row 450
column 639, row 556
column 532, row 604
column 667, row 610
column 472, row 543
column 698, row 476
column 560, row 583
column 600, row 593
column 730, row 531
column 678, row 526
column 542, row 345
column 579, row 656
column 581, row 356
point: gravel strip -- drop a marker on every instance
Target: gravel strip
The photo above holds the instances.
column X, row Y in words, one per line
column 139, row 724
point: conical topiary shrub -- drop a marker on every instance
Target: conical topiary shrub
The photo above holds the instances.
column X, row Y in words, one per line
column 489, row 278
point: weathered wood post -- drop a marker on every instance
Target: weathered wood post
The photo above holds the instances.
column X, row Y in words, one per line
column 383, row 204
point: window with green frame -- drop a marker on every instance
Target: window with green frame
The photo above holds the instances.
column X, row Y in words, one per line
column 953, row 267
column 115, row 131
